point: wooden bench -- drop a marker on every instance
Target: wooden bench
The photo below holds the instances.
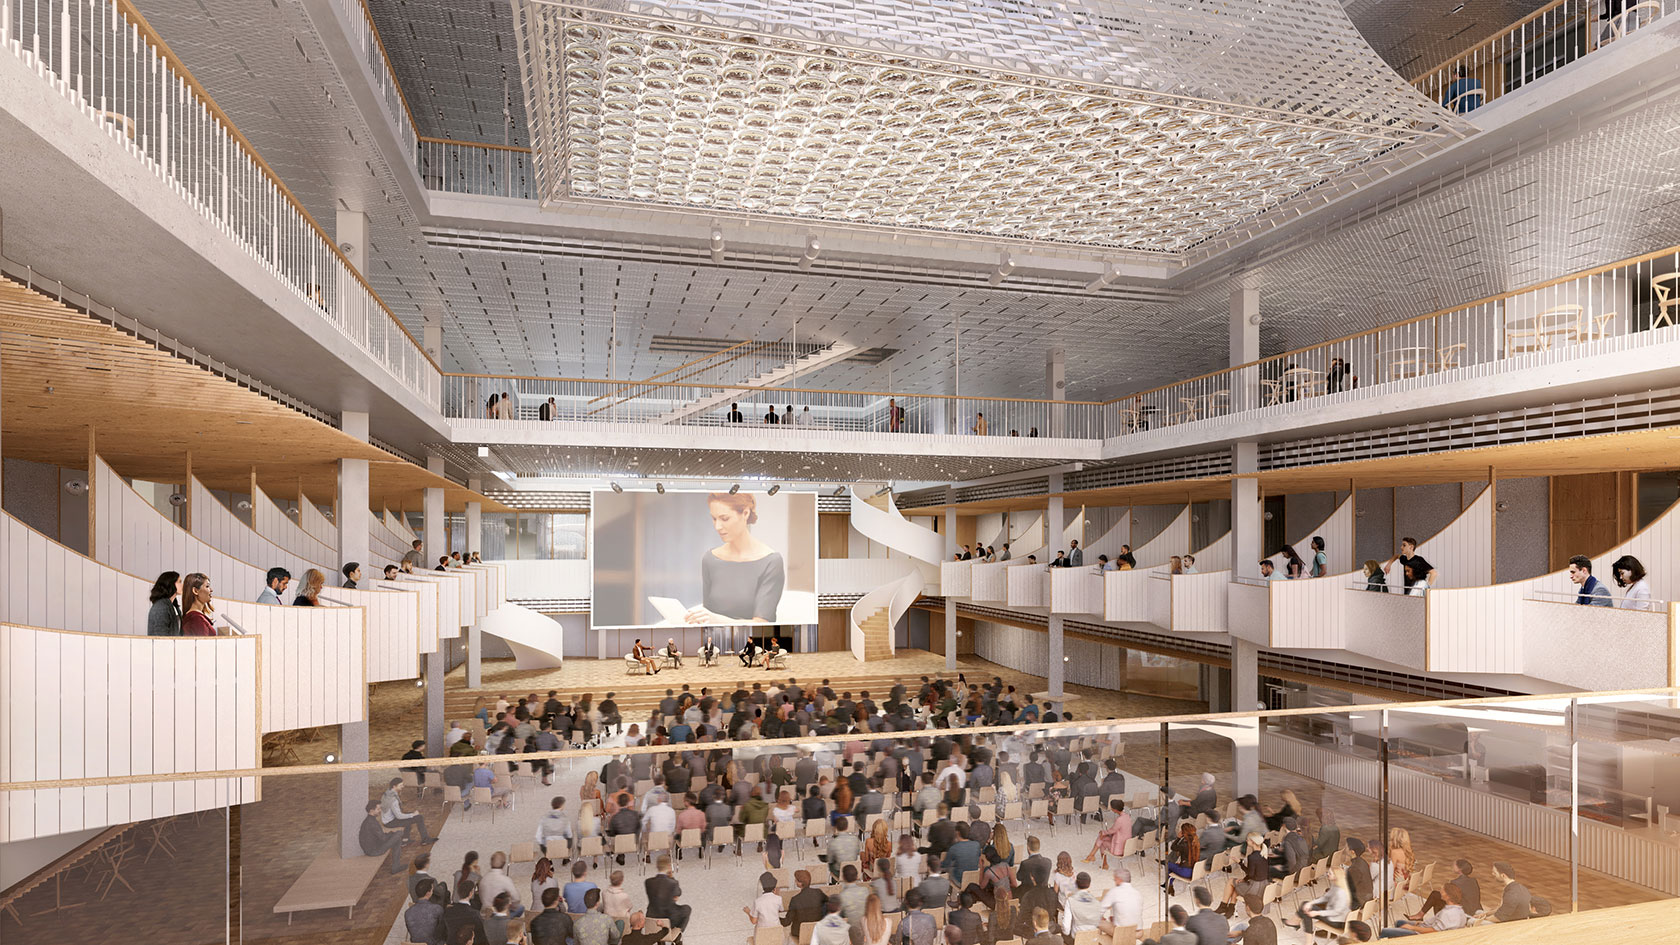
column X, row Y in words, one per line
column 330, row 882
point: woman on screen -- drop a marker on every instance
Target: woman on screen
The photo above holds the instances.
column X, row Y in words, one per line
column 742, row 579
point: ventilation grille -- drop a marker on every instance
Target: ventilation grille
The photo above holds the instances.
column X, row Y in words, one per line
column 1620, row 413
column 1199, row 466
column 832, row 601
column 540, row 499
column 556, row 605
column 1424, row 687
column 834, row 504
column 922, row 498
column 1039, row 485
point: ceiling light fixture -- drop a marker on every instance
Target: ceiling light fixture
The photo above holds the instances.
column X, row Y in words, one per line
column 76, row 486
column 774, row 489
column 734, row 488
column 483, row 451
column 1109, row 275
column 883, row 490
column 717, row 245
column 618, row 488
column 839, row 490
column 812, row 247
column 1006, row 265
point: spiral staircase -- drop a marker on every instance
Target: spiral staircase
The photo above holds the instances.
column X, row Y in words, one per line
column 876, row 613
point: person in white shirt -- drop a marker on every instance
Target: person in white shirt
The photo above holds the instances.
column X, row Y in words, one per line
column 952, row 772
column 496, row 882
column 555, row 825
column 833, row 929
column 1268, row 571
column 1083, row 909
column 767, row 908
column 1189, row 565
column 391, row 813
column 456, row 733
column 1450, row 917
column 1122, row 905
column 1630, row 574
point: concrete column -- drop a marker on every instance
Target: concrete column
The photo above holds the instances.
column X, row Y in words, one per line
column 435, row 663
column 1054, row 522
column 352, row 303
column 475, row 640
column 1248, row 528
column 1245, row 341
column 1055, row 388
column 1056, row 657
column 1245, row 694
column 950, row 526
column 431, row 337
column 352, row 520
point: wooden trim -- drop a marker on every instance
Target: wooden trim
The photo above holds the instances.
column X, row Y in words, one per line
column 93, row 506
column 789, row 390
column 150, row 35
column 1493, row 39
column 468, row 144
column 380, row 42
column 187, row 509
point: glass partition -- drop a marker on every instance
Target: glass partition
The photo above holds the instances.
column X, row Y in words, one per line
column 1545, row 804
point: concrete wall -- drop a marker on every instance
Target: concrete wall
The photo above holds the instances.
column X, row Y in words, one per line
column 34, row 494
column 1522, row 530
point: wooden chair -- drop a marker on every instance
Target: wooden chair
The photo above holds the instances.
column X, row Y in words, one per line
column 1124, row 935
column 690, row 839
column 1666, row 288
column 481, row 797
column 522, row 852
column 624, row 844
column 768, row 935
column 593, row 848
column 1085, row 937
column 658, row 841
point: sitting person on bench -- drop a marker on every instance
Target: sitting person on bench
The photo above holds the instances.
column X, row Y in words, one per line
column 376, row 842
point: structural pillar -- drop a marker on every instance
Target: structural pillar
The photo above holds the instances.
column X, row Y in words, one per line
column 1055, row 526
column 1248, row 527
column 1055, row 388
column 475, row 640
column 436, row 663
column 353, row 525
column 1245, row 694
column 1245, row 341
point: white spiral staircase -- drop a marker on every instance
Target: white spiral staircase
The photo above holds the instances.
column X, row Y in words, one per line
column 877, row 612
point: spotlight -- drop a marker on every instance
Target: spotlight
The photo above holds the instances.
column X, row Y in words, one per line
column 812, row 247
column 717, row 245
column 76, row 486
column 839, row 490
column 617, row 488
column 882, row 491
column 659, row 487
column 483, row 451
column 1501, row 506
column 420, row 683
column 177, row 500
column 1006, row 265
column 293, row 512
column 1266, row 515
column 774, row 489
column 331, row 758
column 243, row 505
column 734, row 488
column 1109, row 275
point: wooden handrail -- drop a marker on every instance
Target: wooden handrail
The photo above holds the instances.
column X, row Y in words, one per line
column 473, row 144
column 789, row 390
column 1496, row 37
column 383, row 54
column 127, row 8
column 685, row 364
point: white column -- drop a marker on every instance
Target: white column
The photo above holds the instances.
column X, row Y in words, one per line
column 1053, row 522
column 353, row 306
column 950, row 605
column 1245, row 341
column 475, row 641
column 352, row 520
column 1248, row 542
column 431, row 337
column 1245, row 694
column 437, row 662
column 1055, row 388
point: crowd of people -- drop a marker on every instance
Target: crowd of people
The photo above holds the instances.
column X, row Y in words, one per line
column 929, row 838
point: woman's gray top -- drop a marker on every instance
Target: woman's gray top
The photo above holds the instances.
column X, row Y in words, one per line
column 164, row 619
column 742, row 590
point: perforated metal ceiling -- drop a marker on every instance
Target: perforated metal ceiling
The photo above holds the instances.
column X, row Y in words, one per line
column 656, row 464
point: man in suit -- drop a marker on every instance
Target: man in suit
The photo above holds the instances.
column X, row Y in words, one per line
column 376, row 842
column 1515, row 902
column 424, row 919
column 1178, row 934
column 1206, row 800
column 278, row 578
column 1297, row 853
column 461, row 914
column 1593, row 592
column 352, row 575
column 1358, row 874
column 662, row 894
column 1041, row 934
column 551, row 926
column 735, row 415
column 1210, row 927
column 966, row 919
column 843, row 849
column 1113, row 782
column 1036, row 867
column 807, row 905
column 1076, row 556
column 1037, row 898
column 968, row 554
column 1004, row 555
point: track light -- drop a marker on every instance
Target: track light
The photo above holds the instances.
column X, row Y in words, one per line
column 736, row 487
column 617, row 488
column 1006, row 265
column 839, row 490
column 812, row 247
column 76, row 486
column 659, row 487
column 1109, row 275
column 881, row 491
column 717, row 245
column 774, row 489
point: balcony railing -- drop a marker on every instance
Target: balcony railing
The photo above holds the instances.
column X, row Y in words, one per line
column 1620, row 307
column 107, row 60
column 485, row 170
column 365, row 37
column 1536, row 45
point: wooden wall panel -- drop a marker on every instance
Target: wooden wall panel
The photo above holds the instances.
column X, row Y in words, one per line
column 167, row 705
column 1588, row 514
column 833, row 627
column 834, row 536
column 965, row 531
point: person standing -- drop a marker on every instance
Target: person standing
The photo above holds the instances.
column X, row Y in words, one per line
column 1320, row 560
column 979, row 428
column 1593, row 592
column 412, row 558
column 1629, row 573
column 548, row 411
column 164, row 617
column 1076, row 556
column 198, row 611
column 352, row 574
column 735, row 415
column 1408, row 557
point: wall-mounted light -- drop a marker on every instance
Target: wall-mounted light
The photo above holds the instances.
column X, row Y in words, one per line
column 734, row 488
column 420, row 683
column 1006, row 265
column 617, row 488
column 1501, row 506
column 76, row 486
column 882, row 491
column 177, row 499
column 330, row 758
column 243, row 505
column 1255, row 319
column 1266, row 515
column 1109, row 275
column 774, row 489
column 839, row 490
column 659, row 487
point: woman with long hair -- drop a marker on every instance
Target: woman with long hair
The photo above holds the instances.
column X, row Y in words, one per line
column 469, row 869
column 310, row 589
column 542, row 877
column 1064, row 879
column 1000, row 843
column 878, row 846
column 1291, row 808
column 1186, row 849
column 1375, row 579
column 875, row 928
column 1111, row 841
column 491, row 407
column 742, row 579
column 1293, row 566
column 164, row 618
column 996, row 883
column 1400, row 855
column 1252, row 884
column 197, row 610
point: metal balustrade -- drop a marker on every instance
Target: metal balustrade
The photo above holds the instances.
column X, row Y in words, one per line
column 1535, row 46
column 364, row 36
column 104, row 57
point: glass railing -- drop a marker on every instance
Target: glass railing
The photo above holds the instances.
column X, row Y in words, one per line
column 1536, row 45
column 1570, row 796
column 120, row 74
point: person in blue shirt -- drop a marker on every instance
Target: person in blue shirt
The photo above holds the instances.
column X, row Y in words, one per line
column 1456, row 97
column 1593, row 593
